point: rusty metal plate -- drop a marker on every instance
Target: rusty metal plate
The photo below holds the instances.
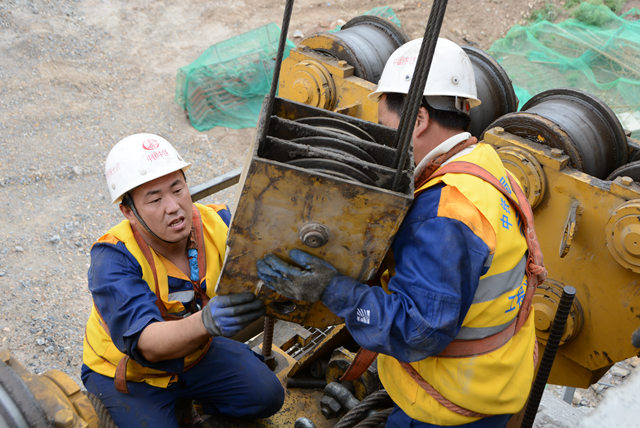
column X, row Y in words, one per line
column 277, row 200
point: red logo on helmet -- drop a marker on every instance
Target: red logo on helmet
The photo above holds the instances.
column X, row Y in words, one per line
column 150, row 144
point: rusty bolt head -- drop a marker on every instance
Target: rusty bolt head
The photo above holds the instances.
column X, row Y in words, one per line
column 314, row 235
column 556, row 153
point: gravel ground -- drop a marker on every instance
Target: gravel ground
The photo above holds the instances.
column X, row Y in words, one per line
column 78, row 75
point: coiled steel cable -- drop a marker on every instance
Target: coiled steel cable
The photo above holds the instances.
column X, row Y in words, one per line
column 104, row 417
column 375, row 420
column 376, row 400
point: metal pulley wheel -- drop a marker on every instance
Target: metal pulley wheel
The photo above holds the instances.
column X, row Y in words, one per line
column 545, row 303
column 365, row 42
column 631, row 169
column 313, row 85
column 526, row 168
column 332, row 167
column 336, row 125
column 348, row 154
column 578, row 123
column 495, row 90
column 336, row 146
column 622, row 234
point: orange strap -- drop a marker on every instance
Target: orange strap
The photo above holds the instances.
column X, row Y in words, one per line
column 536, row 274
column 437, row 396
column 363, row 359
column 535, row 270
column 120, row 379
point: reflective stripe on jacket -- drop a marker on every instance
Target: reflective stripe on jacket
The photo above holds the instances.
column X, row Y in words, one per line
column 497, row 382
column 99, row 352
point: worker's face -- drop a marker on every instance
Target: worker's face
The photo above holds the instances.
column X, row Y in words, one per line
column 165, row 205
column 391, row 119
column 387, row 117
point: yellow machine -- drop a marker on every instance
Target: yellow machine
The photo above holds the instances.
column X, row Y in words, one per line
column 337, row 71
column 563, row 146
column 323, row 176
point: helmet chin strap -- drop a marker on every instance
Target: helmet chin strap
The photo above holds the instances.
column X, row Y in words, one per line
column 132, row 206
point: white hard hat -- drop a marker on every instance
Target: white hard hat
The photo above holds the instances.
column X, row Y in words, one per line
column 450, row 75
column 138, row 159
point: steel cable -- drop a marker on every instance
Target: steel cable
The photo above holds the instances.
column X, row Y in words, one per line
column 376, row 400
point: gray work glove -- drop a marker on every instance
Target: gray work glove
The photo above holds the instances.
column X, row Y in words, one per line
column 227, row 315
column 288, row 280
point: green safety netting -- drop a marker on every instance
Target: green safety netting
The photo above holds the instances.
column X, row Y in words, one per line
column 595, row 51
column 227, row 84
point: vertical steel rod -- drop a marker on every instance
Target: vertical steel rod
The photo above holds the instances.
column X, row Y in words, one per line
column 557, row 330
column 268, row 108
column 416, row 89
column 267, row 340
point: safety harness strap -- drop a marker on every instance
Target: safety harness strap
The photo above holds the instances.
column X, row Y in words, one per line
column 437, row 396
column 536, row 274
column 120, row 378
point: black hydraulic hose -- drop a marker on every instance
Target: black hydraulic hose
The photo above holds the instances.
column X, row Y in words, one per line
column 268, row 110
column 416, row 89
column 557, row 330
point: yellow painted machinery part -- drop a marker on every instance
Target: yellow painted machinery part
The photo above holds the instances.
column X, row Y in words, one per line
column 589, row 231
column 61, row 399
column 309, row 77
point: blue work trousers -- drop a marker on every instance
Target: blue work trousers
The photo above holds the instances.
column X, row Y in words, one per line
column 399, row 419
column 231, row 380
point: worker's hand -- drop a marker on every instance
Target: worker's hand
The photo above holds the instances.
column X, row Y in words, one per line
column 227, row 315
column 305, row 284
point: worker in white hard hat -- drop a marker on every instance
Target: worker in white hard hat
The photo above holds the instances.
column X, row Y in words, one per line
column 157, row 333
column 451, row 324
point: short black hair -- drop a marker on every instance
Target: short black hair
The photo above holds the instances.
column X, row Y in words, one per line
column 445, row 118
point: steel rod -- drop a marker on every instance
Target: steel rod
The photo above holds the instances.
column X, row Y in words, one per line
column 416, row 89
column 268, row 108
column 557, row 330
column 201, row 191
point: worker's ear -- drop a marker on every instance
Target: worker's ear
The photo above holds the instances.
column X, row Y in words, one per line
column 422, row 122
column 126, row 211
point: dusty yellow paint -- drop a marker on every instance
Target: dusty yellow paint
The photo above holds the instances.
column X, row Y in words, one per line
column 60, row 398
column 278, row 199
column 577, row 218
column 308, row 77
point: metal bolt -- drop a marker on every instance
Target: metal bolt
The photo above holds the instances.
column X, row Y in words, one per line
column 63, row 418
column 556, row 153
column 342, row 63
column 626, row 181
column 314, row 235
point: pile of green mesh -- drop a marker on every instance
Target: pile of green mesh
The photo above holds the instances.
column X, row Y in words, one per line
column 227, row 84
column 595, row 51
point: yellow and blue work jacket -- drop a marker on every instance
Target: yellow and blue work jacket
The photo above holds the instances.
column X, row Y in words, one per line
column 459, row 274
column 122, row 285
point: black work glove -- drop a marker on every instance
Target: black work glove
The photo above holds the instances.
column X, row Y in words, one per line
column 227, row 315
column 305, row 284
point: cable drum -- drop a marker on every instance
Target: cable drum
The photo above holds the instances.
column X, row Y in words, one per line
column 495, row 90
column 365, row 42
column 578, row 123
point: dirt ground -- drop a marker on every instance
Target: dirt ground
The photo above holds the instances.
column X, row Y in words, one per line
column 78, row 75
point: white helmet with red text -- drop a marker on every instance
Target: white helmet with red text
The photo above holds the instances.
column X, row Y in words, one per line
column 138, row 159
column 450, row 85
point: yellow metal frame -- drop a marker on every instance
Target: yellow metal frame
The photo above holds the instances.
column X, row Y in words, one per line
column 572, row 217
